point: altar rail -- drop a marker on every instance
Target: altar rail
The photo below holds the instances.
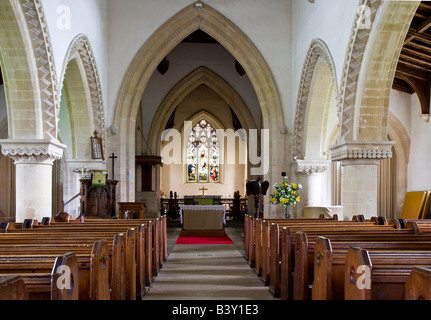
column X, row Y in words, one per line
column 236, row 208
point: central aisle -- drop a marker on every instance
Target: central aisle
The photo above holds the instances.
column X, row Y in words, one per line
column 208, row 272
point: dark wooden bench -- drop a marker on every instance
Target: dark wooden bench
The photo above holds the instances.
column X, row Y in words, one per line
column 148, row 247
column 159, row 232
column 39, row 277
column 93, row 264
column 13, row 288
column 259, row 240
column 286, row 252
column 387, row 276
column 272, row 251
column 418, row 285
column 123, row 282
column 330, row 261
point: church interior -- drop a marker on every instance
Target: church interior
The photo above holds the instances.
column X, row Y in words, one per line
column 267, row 125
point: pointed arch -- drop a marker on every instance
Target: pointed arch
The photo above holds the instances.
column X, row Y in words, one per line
column 369, row 69
column 81, row 81
column 317, row 54
column 157, row 47
column 28, row 68
column 198, row 77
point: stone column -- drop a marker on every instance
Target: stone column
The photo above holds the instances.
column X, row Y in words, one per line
column 33, row 161
column 310, row 174
column 360, row 160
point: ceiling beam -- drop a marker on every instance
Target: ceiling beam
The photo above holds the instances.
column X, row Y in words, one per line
column 416, row 60
column 407, row 71
column 425, row 25
column 400, row 85
column 421, row 54
column 412, row 65
column 413, row 34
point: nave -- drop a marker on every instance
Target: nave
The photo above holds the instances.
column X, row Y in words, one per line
column 207, row 272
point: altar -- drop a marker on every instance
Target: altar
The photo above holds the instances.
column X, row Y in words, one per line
column 198, row 217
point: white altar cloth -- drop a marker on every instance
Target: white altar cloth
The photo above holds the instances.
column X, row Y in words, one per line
column 201, row 217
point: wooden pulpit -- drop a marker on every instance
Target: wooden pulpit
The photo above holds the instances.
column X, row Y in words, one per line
column 98, row 201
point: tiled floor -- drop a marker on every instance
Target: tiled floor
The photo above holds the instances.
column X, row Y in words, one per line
column 207, row 272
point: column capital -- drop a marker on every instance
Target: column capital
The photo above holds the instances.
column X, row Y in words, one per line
column 312, row 166
column 362, row 150
column 33, row 151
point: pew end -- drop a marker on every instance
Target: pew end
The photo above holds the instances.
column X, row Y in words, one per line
column 418, row 285
column 65, row 278
column 99, row 289
column 322, row 284
column 13, row 288
column 354, row 288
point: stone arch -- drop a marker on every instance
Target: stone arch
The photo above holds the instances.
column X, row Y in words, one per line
column 369, row 69
column 198, row 77
column 157, row 47
column 81, row 81
column 317, row 54
column 29, row 71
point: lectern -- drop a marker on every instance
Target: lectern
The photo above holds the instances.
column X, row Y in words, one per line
column 98, row 201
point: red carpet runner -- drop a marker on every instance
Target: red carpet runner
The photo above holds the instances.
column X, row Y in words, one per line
column 203, row 239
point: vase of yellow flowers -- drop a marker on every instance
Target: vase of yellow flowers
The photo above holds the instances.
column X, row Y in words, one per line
column 286, row 195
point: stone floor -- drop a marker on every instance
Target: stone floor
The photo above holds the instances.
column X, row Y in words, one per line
column 207, row 272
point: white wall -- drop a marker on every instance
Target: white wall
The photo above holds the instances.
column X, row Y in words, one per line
column 407, row 109
column 400, row 106
column 420, row 150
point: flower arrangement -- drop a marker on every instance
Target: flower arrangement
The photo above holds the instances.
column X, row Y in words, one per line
column 285, row 193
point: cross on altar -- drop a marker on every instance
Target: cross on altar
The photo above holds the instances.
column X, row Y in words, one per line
column 113, row 157
column 203, row 189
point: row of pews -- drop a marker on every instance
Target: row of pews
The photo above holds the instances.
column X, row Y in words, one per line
column 328, row 259
column 81, row 259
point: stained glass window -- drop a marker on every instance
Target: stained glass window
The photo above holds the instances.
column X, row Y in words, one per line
column 203, row 154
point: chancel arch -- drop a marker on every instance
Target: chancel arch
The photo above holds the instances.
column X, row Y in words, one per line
column 155, row 50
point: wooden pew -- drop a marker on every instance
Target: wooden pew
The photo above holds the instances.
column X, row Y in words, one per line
column 387, row 275
column 256, row 233
column 304, row 249
column 117, row 248
column 330, row 259
column 418, row 285
column 42, row 276
column 13, row 288
column 286, row 252
column 272, row 259
column 159, row 233
column 149, row 239
column 93, row 264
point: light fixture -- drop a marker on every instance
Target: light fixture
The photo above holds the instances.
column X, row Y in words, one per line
column 199, row 4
